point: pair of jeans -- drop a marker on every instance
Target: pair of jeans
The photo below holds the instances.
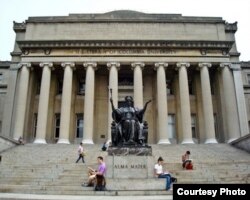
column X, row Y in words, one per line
column 80, row 157
column 168, row 180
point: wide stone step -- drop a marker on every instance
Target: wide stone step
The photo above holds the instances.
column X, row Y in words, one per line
column 72, row 190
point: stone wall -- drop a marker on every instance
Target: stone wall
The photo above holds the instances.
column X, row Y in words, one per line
column 242, row 143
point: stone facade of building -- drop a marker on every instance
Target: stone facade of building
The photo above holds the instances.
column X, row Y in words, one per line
column 63, row 68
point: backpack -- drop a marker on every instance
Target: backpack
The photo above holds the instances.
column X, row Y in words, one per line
column 189, row 166
column 100, row 183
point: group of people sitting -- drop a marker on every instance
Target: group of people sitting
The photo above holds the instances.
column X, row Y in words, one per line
column 160, row 173
column 96, row 178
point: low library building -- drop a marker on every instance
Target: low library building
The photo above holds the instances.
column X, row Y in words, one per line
column 56, row 88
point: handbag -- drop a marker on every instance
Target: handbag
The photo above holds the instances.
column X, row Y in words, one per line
column 83, row 154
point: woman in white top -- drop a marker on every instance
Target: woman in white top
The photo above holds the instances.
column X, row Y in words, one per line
column 158, row 170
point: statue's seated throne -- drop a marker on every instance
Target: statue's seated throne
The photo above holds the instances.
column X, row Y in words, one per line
column 140, row 136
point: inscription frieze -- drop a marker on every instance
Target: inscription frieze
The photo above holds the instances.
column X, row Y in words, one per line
column 124, row 51
column 132, row 166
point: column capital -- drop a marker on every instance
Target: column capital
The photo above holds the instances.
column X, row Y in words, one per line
column 204, row 65
column 28, row 65
column 222, row 65
column 139, row 64
column 90, row 64
column 179, row 65
column 50, row 65
column 68, row 64
column 113, row 64
column 157, row 65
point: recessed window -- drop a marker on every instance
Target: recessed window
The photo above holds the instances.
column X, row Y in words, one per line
column 59, row 86
column 57, row 125
column 79, row 125
column 38, row 88
column 171, row 126
column 81, row 87
column 169, row 85
column 193, row 126
column 125, row 80
column 191, row 87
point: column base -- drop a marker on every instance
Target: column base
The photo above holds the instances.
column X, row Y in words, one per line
column 40, row 141
column 63, row 141
column 211, row 141
column 87, row 141
column 164, row 141
column 187, row 141
column 231, row 140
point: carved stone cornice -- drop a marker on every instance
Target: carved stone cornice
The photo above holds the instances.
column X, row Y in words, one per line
column 174, row 44
column 245, row 64
column 19, row 27
column 231, row 27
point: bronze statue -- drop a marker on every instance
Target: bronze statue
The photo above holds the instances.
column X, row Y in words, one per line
column 128, row 127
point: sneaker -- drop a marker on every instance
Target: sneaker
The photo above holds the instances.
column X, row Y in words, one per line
column 85, row 185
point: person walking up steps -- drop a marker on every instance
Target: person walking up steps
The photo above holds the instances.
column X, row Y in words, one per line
column 80, row 153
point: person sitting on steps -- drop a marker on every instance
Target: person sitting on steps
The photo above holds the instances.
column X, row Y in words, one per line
column 96, row 176
column 159, row 173
column 186, row 161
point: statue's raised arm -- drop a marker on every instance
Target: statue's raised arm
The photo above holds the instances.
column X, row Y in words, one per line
column 145, row 106
column 111, row 100
column 112, row 104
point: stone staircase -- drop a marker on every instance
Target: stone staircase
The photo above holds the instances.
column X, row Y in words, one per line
column 51, row 169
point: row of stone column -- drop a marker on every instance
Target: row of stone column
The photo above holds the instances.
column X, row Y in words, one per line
column 138, row 100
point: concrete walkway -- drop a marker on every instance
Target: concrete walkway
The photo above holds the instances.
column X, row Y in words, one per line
column 9, row 196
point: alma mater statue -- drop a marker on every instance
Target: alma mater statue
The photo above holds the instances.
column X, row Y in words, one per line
column 128, row 127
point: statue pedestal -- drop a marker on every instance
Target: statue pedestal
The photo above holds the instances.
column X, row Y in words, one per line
column 130, row 150
column 131, row 166
column 130, row 162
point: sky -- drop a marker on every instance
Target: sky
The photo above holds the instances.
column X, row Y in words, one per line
column 19, row 11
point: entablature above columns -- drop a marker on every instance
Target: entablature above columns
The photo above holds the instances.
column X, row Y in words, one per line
column 125, row 48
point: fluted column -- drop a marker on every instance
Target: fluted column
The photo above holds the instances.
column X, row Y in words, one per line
column 66, row 103
column 207, row 103
column 89, row 103
column 43, row 103
column 185, row 104
column 113, row 84
column 162, row 104
column 232, row 120
column 22, row 100
column 138, row 84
